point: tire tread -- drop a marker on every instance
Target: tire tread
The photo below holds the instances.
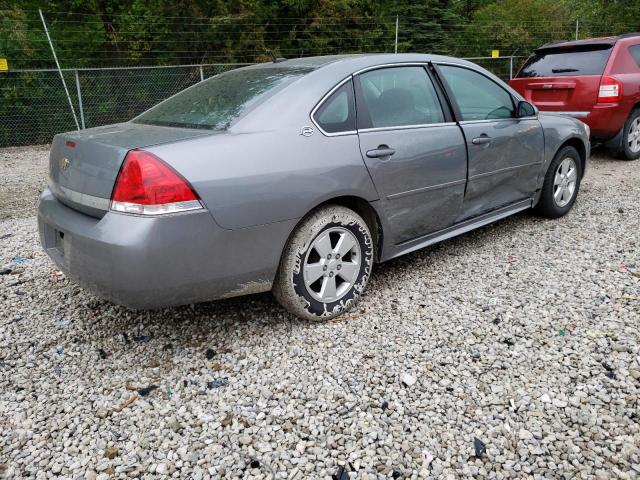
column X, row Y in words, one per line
column 547, row 207
column 283, row 289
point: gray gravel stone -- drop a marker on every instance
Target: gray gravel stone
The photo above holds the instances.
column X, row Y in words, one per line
column 523, row 334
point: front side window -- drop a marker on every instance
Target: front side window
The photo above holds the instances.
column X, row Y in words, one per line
column 478, row 97
column 215, row 103
column 337, row 113
column 634, row 50
column 397, row 97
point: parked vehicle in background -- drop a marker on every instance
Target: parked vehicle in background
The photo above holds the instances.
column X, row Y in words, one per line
column 596, row 80
column 298, row 175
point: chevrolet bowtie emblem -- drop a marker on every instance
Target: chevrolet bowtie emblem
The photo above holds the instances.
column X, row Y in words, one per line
column 63, row 163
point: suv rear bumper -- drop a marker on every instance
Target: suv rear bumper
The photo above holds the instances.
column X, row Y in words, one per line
column 579, row 115
column 605, row 120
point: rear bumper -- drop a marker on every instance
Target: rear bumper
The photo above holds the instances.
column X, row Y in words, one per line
column 154, row 262
column 605, row 120
column 579, row 115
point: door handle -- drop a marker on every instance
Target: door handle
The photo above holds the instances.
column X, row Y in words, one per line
column 481, row 140
column 381, row 151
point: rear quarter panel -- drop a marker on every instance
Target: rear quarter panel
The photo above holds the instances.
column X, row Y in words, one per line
column 248, row 179
column 263, row 170
column 622, row 66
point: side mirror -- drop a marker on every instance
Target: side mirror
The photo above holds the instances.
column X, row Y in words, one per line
column 525, row 109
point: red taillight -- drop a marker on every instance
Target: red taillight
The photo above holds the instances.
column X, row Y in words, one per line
column 148, row 186
column 610, row 90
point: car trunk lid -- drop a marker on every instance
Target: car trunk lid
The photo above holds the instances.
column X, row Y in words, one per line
column 560, row 94
column 84, row 165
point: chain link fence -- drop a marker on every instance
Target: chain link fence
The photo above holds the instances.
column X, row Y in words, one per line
column 147, row 57
column 34, row 106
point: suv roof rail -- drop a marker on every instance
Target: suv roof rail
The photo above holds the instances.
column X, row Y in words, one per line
column 553, row 42
column 628, row 35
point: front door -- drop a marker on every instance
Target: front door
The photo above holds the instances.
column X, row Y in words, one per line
column 505, row 152
column 414, row 152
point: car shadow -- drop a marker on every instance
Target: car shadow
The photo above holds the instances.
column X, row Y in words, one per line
column 261, row 313
column 221, row 322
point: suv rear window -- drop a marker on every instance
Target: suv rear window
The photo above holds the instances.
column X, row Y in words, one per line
column 215, row 103
column 559, row 61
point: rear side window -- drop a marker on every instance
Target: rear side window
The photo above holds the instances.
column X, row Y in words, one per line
column 558, row 62
column 634, row 50
column 398, row 97
column 478, row 97
column 215, row 103
column 337, row 113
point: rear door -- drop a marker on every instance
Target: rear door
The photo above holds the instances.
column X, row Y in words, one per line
column 414, row 151
column 563, row 78
column 505, row 152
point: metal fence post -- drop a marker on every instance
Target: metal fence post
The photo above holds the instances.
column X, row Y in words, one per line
column 79, row 99
column 577, row 27
column 510, row 67
column 55, row 57
column 396, row 49
column 201, row 74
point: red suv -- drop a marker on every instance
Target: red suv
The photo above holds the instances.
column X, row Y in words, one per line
column 596, row 80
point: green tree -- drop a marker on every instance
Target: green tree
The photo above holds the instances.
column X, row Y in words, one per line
column 515, row 27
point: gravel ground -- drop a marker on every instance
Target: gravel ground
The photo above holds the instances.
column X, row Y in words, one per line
column 522, row 335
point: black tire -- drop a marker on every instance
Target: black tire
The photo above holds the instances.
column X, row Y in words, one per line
column 330, row 223
column 548, row 206
column 625, row 152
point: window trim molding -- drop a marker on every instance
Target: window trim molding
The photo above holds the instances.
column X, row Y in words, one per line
column 321, row 103
column 387, row 65
column 424, row 65
column 449, row 96
column 452, row 97
column 407, row 127
column 494, row 120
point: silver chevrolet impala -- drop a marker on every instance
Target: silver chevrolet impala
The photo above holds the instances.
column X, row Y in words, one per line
column 297, row 176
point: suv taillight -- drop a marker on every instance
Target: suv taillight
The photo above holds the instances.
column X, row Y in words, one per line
column 610, row 90
column 148, row 186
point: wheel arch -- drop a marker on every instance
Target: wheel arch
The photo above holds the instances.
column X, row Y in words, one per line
column 359, row 205
column 579, row 145
column 368, row 214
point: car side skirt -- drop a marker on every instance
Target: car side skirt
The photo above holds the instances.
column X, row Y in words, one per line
column 455, row 230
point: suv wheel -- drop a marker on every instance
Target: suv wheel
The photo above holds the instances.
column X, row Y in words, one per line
column 325, row 265
column 561, row 184
column 631, row 137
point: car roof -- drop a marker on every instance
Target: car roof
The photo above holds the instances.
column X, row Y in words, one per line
column 325, row 73
column 598, row 41
column 358, row 60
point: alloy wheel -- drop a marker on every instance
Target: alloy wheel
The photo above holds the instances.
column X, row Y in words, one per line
column 565, row 181
column 332, row 264
column 633, row 138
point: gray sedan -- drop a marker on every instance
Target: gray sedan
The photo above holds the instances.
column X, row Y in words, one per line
column 297, row 176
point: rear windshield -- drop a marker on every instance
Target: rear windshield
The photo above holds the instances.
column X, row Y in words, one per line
column 557, row 62
column 215, row 103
